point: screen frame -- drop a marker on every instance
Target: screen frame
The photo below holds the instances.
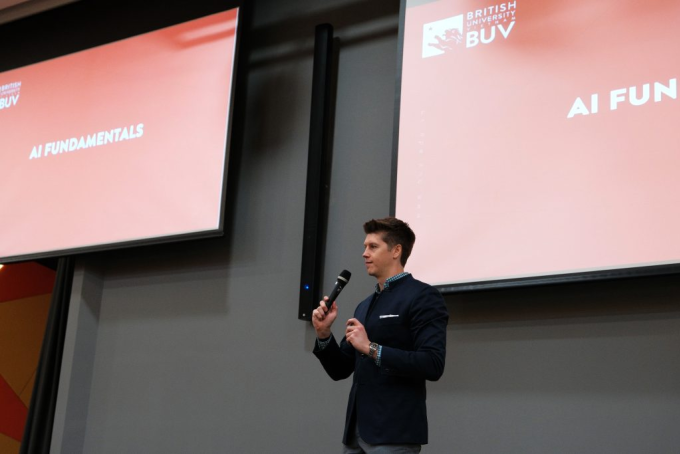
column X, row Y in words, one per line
column 539, row 280
column 68, row 44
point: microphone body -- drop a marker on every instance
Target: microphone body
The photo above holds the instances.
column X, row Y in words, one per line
column 340, row 283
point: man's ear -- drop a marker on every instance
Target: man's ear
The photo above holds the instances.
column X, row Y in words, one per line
column 396, row 251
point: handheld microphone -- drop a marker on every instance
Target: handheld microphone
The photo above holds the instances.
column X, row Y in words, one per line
column 343, row 279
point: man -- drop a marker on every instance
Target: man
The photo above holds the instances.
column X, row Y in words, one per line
column 395, row 341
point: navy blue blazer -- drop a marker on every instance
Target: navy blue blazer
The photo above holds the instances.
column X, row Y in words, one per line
column 409, row 320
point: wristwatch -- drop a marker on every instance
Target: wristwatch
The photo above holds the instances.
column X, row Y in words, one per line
column 372, row 349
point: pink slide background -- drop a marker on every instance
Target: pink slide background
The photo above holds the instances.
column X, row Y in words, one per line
column 494, row 178
column 177, row 83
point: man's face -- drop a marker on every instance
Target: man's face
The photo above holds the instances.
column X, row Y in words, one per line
column 378, row 258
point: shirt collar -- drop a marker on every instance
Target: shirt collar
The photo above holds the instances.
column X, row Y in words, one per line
column 390, row 280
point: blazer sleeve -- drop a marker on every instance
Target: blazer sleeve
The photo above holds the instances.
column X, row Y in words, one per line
column 337, row 360
column 428, row 319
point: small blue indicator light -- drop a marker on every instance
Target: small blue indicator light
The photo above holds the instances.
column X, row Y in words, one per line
column 306, row 287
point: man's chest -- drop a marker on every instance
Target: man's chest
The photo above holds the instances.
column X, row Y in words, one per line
column 387, row 320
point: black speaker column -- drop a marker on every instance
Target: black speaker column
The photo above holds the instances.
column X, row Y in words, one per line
column 317, row 173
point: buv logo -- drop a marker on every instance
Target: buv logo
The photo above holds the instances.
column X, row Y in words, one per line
column 442, row 36
column 9, row 95
column 477, row 27
column 9, row 101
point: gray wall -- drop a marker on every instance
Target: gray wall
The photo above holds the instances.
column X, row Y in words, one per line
column 196, row 347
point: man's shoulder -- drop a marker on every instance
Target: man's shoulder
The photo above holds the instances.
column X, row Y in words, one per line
column 410, row 288
column 410, row 283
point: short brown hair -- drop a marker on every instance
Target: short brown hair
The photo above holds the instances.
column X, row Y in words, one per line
column 394, row 231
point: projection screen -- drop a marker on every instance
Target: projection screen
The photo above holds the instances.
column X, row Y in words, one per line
column 118, row 144
column 538, row 139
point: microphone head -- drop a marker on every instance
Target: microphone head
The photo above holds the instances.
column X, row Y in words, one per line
column 345, row 275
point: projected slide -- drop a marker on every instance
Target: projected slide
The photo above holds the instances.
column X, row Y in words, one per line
column 117, row 143
column 539, row 138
